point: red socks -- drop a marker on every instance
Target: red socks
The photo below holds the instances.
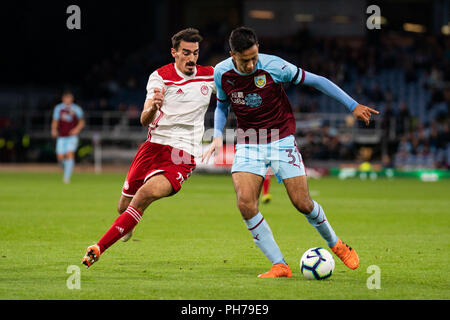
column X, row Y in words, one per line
column 266, row 184
column 123, row 224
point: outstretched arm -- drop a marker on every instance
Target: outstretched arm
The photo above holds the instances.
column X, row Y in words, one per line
column 324, row 85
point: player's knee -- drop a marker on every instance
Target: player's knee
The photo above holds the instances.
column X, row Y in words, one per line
column 150, row 196
column 247, row 207
column 304, row 205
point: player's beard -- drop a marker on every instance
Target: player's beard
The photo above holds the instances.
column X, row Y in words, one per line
column 188, row 71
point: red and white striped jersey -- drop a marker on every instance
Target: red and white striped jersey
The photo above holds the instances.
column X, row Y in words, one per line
column 180, row 121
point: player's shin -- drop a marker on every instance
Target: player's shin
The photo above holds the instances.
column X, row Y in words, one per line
column 68, row 168
column 263, row 238
column 123, row 224
column 319, row 221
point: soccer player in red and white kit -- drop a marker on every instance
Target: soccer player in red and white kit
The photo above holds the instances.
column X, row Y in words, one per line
column 178, row 96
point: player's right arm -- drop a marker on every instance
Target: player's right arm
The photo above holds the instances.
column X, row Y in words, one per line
column 54, row 128
column 151, row 106
column 55, row 119
column 220, row 117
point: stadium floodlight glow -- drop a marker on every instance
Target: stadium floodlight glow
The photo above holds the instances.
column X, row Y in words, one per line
column 340, row 19
column 304, row 17
column 414, row 27
column 446, row 29
column 262, row 14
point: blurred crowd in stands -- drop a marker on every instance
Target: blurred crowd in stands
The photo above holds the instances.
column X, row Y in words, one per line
column 406, row 78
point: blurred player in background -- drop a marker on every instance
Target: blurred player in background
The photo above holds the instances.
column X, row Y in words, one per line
column 252, row 83
column 67, row 123
column 178, row 96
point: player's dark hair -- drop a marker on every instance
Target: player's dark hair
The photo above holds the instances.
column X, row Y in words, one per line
column 188, row 35
column 242, row 38
column 67, row 92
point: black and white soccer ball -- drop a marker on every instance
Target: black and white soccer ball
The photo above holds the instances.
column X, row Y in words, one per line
column 317, row 264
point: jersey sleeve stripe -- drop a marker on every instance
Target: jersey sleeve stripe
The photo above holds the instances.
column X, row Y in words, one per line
column 303, row 77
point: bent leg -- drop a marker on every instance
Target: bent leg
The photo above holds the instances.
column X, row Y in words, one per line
column 155, row 188
column 297, row 189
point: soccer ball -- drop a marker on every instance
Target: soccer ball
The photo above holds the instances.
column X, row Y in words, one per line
column 317, row 263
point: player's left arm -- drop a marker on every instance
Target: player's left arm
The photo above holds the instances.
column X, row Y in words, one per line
column 55, row 122
column 80, row 125
column 360, row 112
column 81, row 122
column 285, row 72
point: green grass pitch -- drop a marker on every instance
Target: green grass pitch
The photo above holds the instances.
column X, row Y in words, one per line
column 195, row 246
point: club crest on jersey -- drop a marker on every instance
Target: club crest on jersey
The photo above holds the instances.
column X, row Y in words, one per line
column 260, row 81
column 204, row 90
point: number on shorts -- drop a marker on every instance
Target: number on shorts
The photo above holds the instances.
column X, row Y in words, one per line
column 292, row 156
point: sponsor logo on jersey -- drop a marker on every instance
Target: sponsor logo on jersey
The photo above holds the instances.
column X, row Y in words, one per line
column 237, row 97
column 253, row 100
column 180, row 91
column 126, row 186
column 67, row 115
column 260, row 81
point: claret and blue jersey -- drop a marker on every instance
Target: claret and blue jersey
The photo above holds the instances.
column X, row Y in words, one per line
column 67, row 117
column 265, row 120
column 258, row 99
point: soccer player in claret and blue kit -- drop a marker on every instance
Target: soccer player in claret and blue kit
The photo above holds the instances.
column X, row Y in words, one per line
column 251, row 83
column 67, row 122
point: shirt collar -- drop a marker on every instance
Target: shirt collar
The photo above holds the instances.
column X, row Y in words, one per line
column 185, row 76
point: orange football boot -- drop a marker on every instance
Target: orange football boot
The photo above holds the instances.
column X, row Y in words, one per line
column 92, row 255
column 348, row 255
column 278, row 270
